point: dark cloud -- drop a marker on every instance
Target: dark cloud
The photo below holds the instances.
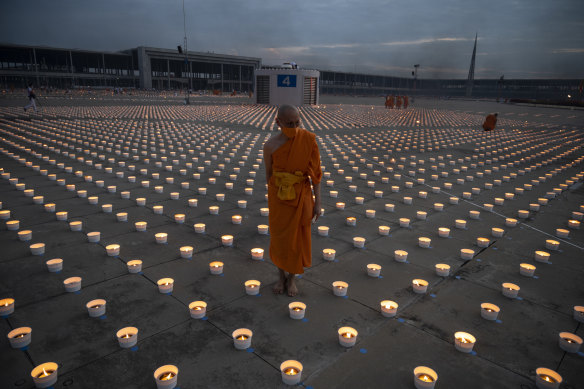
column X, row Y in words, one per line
column 521, row 38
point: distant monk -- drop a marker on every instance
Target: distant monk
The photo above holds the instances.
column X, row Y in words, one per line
column 490, row 122
column 292, row 162
column 398, row 102
column 406, row 102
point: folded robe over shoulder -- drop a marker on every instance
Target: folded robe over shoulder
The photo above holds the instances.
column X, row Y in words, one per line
column 290, row 217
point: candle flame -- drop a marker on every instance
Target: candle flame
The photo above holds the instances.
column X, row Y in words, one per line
column 348, row 335
column 291, row 371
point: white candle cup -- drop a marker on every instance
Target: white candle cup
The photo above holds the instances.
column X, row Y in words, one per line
column 96, row 308
column 466, row 254
column 106, row 208
column 62, row 216
column 242, row 204
column 24, row 235
column 340, row 288
column 323, row 230
column 389, row 207
column 370, row 213
column 76, row 226
column 328, row 254
column 297, row 310
column 443, row 232
column 535, row 207
column 424, row 242
column 252, row 287
column 388, row 308
column 257, row 254
column 578, row 313
column 474, row 215
column 45, row 375
column 161, row 237
column 248, row 191
column 291, row 372
column 574, row 224
column 400, row 255
column 165, row 285
column 127, row 337
column 159, row 189
column 489, row 311
column 351, row 221
column 227, row 240
column 179, row 218
column 263, row 229
column 359, row 200
column 265, row 212
column 569, row 342
column 424, row 377
column 199, row 228
column 464, row 342
column 216, row 268
column 542, row 201
column 134, row 266
column 113, row 250
column 186, row 252
column 214, row 210
column 460, row 224
column 72, row 284
column 497, row 232
column 20, row 337
column 453, row 200
column 38, row 200
column 347, row 336
column 404, row 222
column 198, row 309
column 383, row 230
column 141, row 226
column 166, row 377
column 94, row 236
column 542, row 256
column 373, row 270
column 236, row 219
column 54, row 265
column 12, row 225
column 510, row 290
column 333, row 194
column 37, row 249
column 562, row 233
column 419, row 286
column 242, row 338
column 483, row 242
column 442, row 270
column 547, row 378
column 6, row 306
column 488, row 207
column 122, row 216
column 174, row 195
column 510, row 222
column 526, row 269
column 551, row 244
column 358, row 242
column 407, row 200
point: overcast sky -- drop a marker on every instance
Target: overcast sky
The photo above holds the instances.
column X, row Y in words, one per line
column 517, row 38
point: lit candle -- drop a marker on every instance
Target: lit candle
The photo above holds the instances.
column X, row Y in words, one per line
column 263, row 229
column 464, row 342
column 72, row 284
column 242, row 338
column 141, row 226
column 388, row 308
column 257, row 254
column 6, row 306
column 419, row 286
column 54, row 265
column 340, row 288
column 227, row 240
column 510, row 290
column 547, row 378
column 291, row 372
column 264, row 212
column 161, row 237
column 424, row 377
column 424, row 242
column 214, row 210
column 328, row 254
column 370, row 213
column 134, row 266
column 400, row 255
column 466, row 254
column 569, row 342
column 442, row 269
column 497, row 232
column 198, row 309
column 179, row 218
column 113, row 250
column 236, row 219
column 186, row 252
column 526, row 269
column 383, row 230
column 45, row 375
column 199, row 228
column 96, row 308
column 347, row 336
column 489, row 311
column 20, row 337
column 252, row 287
column 216, row 267
column 552, row 244
column 542, row 256
column 297, row 310
column 358, row 242
column 373, row 270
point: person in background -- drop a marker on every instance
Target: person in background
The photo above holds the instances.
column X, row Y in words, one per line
column 31, row 98
column 490, row 122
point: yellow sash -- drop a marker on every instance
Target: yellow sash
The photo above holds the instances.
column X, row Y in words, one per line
column 285, row 183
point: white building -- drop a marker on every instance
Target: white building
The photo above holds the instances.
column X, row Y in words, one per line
column 287, row 85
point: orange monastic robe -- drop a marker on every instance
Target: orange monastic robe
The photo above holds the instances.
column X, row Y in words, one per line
column 290, row 220
column 490, row 122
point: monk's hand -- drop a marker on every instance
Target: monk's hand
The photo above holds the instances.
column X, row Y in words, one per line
column 316, row 212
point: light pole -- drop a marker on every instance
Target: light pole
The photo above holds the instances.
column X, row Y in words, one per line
column 186, row 51
column 415, row 74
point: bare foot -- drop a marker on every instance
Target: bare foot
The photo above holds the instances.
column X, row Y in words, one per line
column 291, row 285
column 278, row 287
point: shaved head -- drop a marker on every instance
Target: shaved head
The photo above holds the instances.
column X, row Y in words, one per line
column 288, row 116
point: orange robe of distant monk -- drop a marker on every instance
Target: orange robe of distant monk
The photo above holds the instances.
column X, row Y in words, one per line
column 391, row 102
column 490, row 122
column 398, row 102
column 406, row 101
column 290, row 220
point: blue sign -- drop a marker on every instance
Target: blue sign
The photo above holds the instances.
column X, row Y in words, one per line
column 286, row 81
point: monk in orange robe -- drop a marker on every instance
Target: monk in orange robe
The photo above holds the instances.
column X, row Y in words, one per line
column 398, row 102
column 490, row 122
column 292, row 163
column 406, row 102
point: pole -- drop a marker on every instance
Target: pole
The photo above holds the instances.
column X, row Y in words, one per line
column 188, row 92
